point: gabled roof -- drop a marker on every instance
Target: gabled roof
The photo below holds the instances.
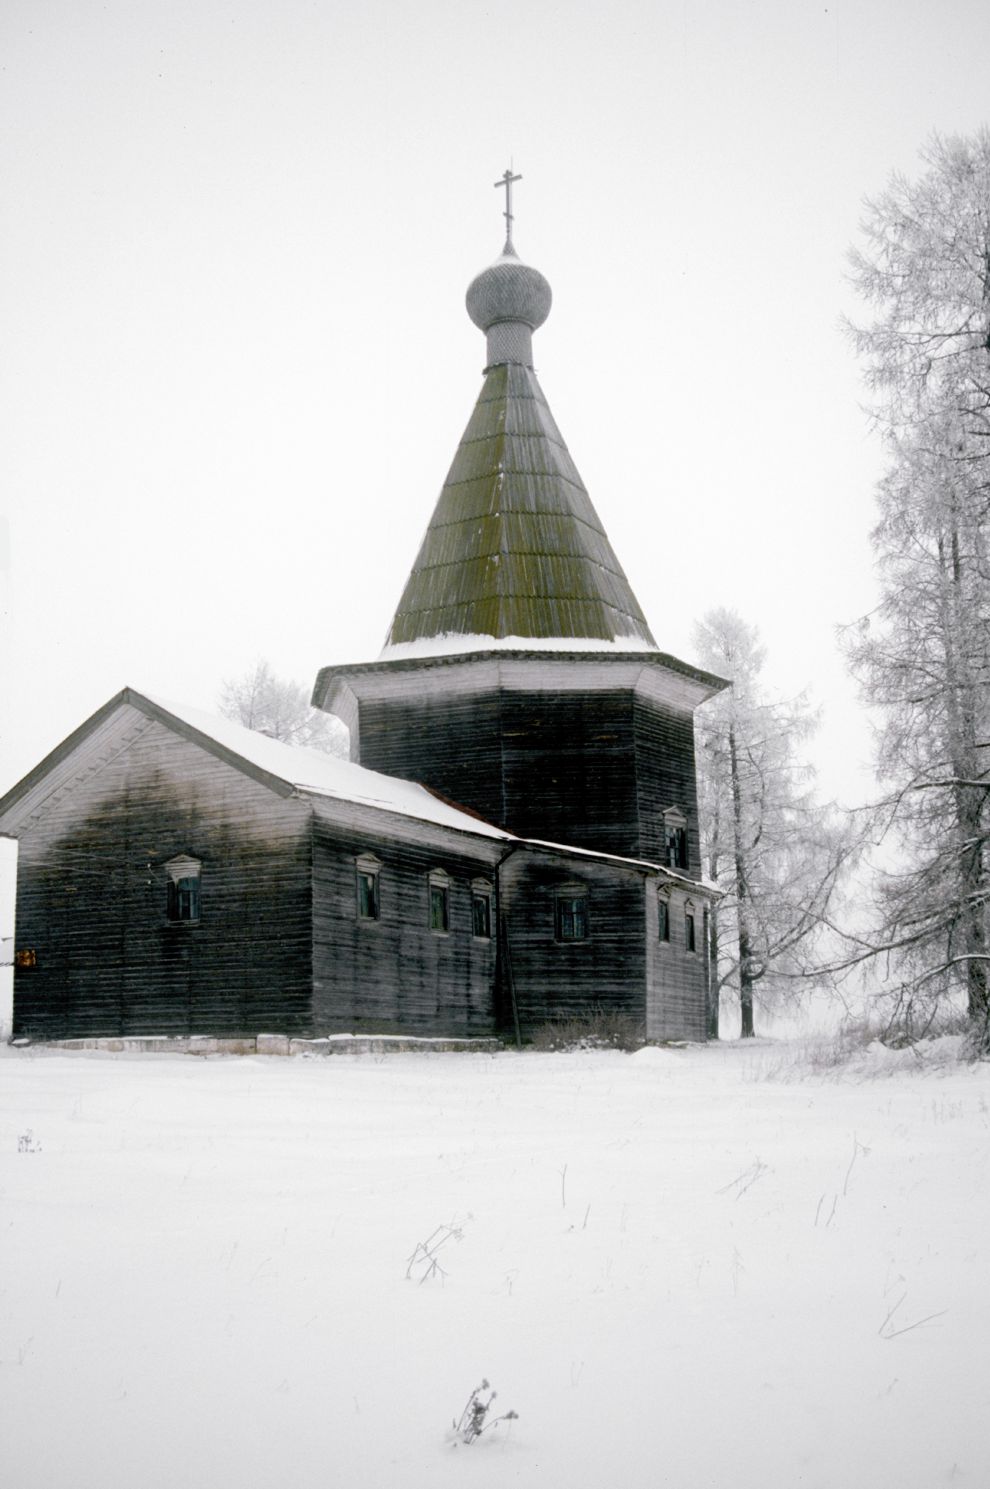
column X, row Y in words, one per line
column 515, row 547
column 284, row 769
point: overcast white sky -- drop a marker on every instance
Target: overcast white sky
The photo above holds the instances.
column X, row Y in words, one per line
column 236, row 357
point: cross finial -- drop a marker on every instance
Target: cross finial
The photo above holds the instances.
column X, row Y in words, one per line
column 506, row 180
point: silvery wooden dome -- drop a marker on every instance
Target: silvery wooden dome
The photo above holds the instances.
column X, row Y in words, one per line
column 508, row 301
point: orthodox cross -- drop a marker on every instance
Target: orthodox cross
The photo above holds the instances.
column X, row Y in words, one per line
column 506, row 180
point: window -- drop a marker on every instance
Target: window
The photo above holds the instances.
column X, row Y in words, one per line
column 182, row 902
column 663, row 915
column 689, row 940
column 439, row 901
column 368, row 868
column 675, row 839
column 481, row 909
column 571, row 913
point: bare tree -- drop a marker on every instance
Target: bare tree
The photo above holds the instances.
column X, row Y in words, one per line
column 773, row 849
column 923, row 657
column 280, row 708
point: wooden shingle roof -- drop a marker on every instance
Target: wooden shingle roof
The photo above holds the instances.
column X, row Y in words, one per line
column 515, row 547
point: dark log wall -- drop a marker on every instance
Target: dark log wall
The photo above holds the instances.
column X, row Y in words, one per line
column 451, row 742
column 395, row 974
column 92, row 892
column 676, row 978
column 569, row 769
column 552, row 978
column 665, row 777
column 595, row 769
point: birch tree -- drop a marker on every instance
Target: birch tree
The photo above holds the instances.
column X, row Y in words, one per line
column 923, row 657
column 769, row 845
column 280, row 708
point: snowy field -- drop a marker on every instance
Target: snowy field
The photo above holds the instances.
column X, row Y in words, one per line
column 677, row 1270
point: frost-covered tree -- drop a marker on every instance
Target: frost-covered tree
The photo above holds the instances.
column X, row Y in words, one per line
column 923, row 656
column 280, row 708
column 769, row 845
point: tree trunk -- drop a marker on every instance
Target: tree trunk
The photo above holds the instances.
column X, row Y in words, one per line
column 712, row 1000
column 742, row 896
column 968, row 800
column 711, row 981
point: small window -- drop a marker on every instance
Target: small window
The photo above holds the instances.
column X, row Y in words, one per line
column 439, row 901
column 663, row 917
column 689, row 940
column 368, row 868
column 183, row 901
column 675, row 839
column 571, row 914
column 481, row 910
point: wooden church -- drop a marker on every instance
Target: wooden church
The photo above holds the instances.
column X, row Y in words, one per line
column 514, row 839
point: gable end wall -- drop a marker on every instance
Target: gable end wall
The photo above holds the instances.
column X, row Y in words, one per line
column 92, row 891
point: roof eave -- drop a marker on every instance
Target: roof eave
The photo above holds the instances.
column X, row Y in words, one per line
column 708, row 682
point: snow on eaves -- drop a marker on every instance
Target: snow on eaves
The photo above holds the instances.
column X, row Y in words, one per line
column 451, row 644
column 318, row 774
column 702, row 885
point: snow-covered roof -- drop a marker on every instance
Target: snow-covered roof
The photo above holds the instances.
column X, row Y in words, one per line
column 284, row 768
column 450, row 645
column 319, row 774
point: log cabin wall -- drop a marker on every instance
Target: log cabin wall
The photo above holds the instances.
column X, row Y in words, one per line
column 665, row 778
column 394, row 972
column 93, row 892
column 566, row 748
column 551, row 977
column 569, row 768
column 451, row 742
column 676, row 975
column 595, row 769
column 560, row 767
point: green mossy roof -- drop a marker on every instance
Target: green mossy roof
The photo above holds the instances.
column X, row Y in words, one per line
column 515, row 547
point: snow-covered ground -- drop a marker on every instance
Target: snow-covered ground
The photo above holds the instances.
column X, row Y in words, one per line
column 677, row 1270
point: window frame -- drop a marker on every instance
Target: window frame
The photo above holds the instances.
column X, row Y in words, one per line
column 481, row 893
column 184, row 890
column 675, row 838
column 438, row 894
column 573, row 895
column 690, row 928
column 368, row 868
column 663, row 916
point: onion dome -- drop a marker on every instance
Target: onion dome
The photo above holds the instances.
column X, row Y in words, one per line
column 508, row 301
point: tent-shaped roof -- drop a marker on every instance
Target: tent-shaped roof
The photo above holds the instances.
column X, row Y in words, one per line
column 515, row 547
